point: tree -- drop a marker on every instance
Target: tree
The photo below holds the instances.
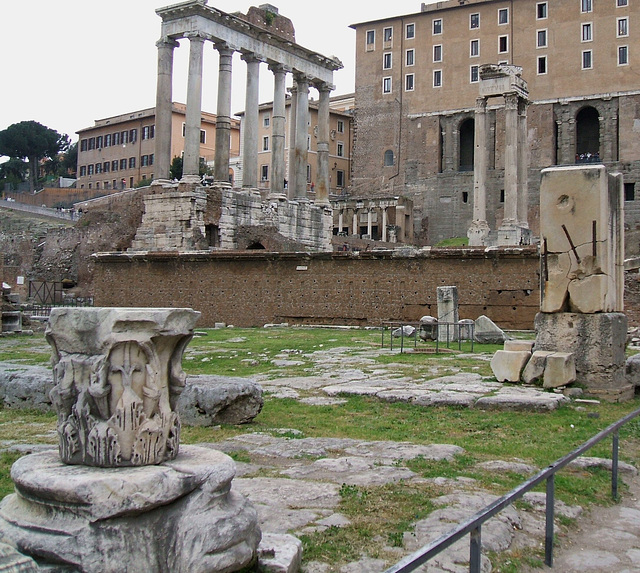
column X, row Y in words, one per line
column 32, row 141
column 175, row 170
column 13, row 171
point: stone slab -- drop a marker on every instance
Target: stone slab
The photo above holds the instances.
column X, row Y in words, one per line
column 560, row 370
column 507, row 365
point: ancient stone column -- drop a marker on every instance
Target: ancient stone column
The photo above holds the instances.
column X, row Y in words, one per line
column 278, row 132
column 523, row 167
column 223, row 115
column 164, row 90
column 322, row 184
column 340, row 220
column 302, row 135
column 193, row 122
column 250, row 144
column 369, row 222
column 479, row 230
column 292, row 141
column 447, row 297
column 384, row 223
column 355, row 222
column 511, row 159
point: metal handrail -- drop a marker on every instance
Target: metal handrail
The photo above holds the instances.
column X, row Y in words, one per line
column 474, row 523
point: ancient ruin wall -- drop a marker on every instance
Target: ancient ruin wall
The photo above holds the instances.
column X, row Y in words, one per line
column 253, row 289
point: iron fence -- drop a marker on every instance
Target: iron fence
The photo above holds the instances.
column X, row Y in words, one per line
column 473, row 525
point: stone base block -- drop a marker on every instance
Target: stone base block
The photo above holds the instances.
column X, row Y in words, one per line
column 534, row 370
column 507, row 365
column 597, row 342
column 560, row 370
column 526, row 345
column 177, row 517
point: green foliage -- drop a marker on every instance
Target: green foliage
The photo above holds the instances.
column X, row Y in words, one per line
column 175, row 170
column 13, row 171
column 454, row 242
column 142, row 183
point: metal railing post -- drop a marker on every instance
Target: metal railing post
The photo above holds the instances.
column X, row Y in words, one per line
column 475, row 550
column 549, row 512
column 614, row 465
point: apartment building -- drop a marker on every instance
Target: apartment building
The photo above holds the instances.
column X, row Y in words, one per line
column 340, row 143
column 118, row 152
column 417, row 81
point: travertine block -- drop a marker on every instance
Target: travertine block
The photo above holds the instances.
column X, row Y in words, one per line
column 559, row 370
column 519, row 345
column 507, row 365
column 534, row 370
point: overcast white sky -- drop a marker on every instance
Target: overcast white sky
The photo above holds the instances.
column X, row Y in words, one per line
column 70, row 62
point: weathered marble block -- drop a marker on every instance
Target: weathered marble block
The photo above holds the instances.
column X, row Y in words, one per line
column 507, row 365
column 117, row 376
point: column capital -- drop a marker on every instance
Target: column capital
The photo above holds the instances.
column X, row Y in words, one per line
column 250, row 57
column 167, row 42
column 511, row 100
column 278, row 68
column 481, row 104
column 323, row 86
column 223, row 48
column 301, row 78
column 195, row 36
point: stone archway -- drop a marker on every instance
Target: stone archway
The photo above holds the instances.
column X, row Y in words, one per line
column 587, row 132
column 466, row 144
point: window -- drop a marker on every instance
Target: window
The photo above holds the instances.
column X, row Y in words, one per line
column 266, row 121
column 542, row 39
column 629, row 192
column 151, row 163
column 587, row 32
column 99, row 142
column 340, row 149
column 437, row 53
column 503, row 16
column 133, row 135
column 623, row 2
column 107, row 140
column 386, row 85
column 144, row 161
column 83, row 171
column 116, row 138
column 340, row 126
column 132, row 162
column 408, row 82
column 123, row 164
column 410, row 58
column 90, row 169
column 387, row 34
column 474, row 77
column 92, row 143
column 437, row 78
column 340, row 178
column 264, row 173
column 386, row 61
column 98, row 168
column 587, row 62
column 623, row 55
column 114, row 165
column 474, row 21
column 541, row 11
column 371, row 39
column 203, row 136
column 184, row 130
column 124, row 137
column 265, row 143
column 437, row 26
column 623, row 27
column 106, row 166
column 388, row 158
column 148, row 132
column 83, row 145
column 542, row 65
column 586, row 6
column 410, row 32
column 503, row 44
column 474, row 48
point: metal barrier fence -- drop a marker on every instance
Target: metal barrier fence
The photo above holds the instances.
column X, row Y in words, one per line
column 455, row 331
column 473, row 525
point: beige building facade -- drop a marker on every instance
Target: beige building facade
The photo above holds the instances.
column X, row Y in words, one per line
column 119, row 152
column 417, row 82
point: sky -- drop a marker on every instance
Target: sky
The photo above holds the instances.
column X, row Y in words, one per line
column 67, row 63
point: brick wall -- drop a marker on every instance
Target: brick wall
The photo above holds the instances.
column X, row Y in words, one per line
column 252, row 289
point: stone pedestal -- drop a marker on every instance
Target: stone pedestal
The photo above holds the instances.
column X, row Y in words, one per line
column 597, row 342
column 447, row 313
column 177, row 517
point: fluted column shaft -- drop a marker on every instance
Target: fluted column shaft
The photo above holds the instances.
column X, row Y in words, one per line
column 480, row 161
column 223, row 115
column 511, row 159
column 292, row 141
column 164, row 91
column 251, row 115
column 302, row 134
column 191, row 161
column 523, row 166
column 278, row 130
column 322, row 184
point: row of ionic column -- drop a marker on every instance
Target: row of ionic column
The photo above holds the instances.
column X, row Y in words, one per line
column 297, row 187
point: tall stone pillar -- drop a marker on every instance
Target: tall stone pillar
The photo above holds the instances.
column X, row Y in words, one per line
column 370, row 222
column 223, row 115
column 384, row 223
column 355, row 222
column 322, row 184
column 523, row 166
column 191, row 161
column 511, row 159
column 302, row 134
column 251, row 116
column 340, row 220
column 479, row 230
column 278, row 132
column 448, row 145
column 292, row 141
column 164, row 90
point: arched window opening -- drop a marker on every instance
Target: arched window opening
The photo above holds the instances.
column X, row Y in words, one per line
column 255, row 246
column 388, row 158
column 467, row 130
column 587, row 135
